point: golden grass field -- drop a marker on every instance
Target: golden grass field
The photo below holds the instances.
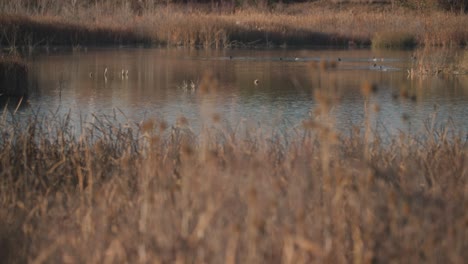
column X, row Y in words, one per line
column 317, row 23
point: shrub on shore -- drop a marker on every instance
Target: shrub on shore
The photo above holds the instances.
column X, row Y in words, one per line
column 458, row 6
column 13, row 77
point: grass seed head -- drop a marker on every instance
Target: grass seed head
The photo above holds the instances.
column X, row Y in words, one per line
column 368, row 88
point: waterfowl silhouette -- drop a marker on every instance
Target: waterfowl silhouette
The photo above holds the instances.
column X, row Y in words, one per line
column 192, row 86
column 105, row 75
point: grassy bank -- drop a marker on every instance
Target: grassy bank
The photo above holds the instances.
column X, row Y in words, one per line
column 106, row 192
column 321, row 23
column 31, row 31
column 13, row 77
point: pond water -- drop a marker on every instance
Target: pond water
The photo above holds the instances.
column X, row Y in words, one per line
column 159, row 85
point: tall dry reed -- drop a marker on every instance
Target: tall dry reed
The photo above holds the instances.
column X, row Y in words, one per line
column 100, row 191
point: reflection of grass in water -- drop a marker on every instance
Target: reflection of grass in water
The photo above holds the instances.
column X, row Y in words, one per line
column 120, row 193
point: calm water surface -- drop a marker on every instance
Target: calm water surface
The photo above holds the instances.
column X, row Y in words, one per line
column 158, row 85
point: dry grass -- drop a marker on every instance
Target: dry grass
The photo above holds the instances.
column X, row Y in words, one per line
column 393, row 40
column 100, row 191
column 30, row 32
column 106, row 192
column 442, row 62
column 301, row 24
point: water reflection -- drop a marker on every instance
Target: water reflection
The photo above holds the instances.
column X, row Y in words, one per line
column 283, row 97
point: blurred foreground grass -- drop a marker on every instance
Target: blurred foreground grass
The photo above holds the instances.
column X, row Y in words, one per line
column 107, row 192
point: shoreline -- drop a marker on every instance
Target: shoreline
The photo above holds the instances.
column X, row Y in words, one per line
column 313, row 25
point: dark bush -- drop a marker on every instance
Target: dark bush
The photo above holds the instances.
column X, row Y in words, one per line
column 13, row 77
column 454, row 5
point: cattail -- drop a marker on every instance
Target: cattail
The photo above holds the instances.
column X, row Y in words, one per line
column 323, row 65
column 368, row 88
column 182, row 121
column 216, row 117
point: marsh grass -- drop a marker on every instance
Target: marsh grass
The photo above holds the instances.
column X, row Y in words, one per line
column 438, row 62
column 29, row 32
column 183, row 25
column 103, row 191
column 393, row 40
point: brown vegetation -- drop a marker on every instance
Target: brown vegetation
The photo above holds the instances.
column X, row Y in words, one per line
column 442, row 62
column 22, row 30
column 105, row 192
column 322, row 23
column 393, row 39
